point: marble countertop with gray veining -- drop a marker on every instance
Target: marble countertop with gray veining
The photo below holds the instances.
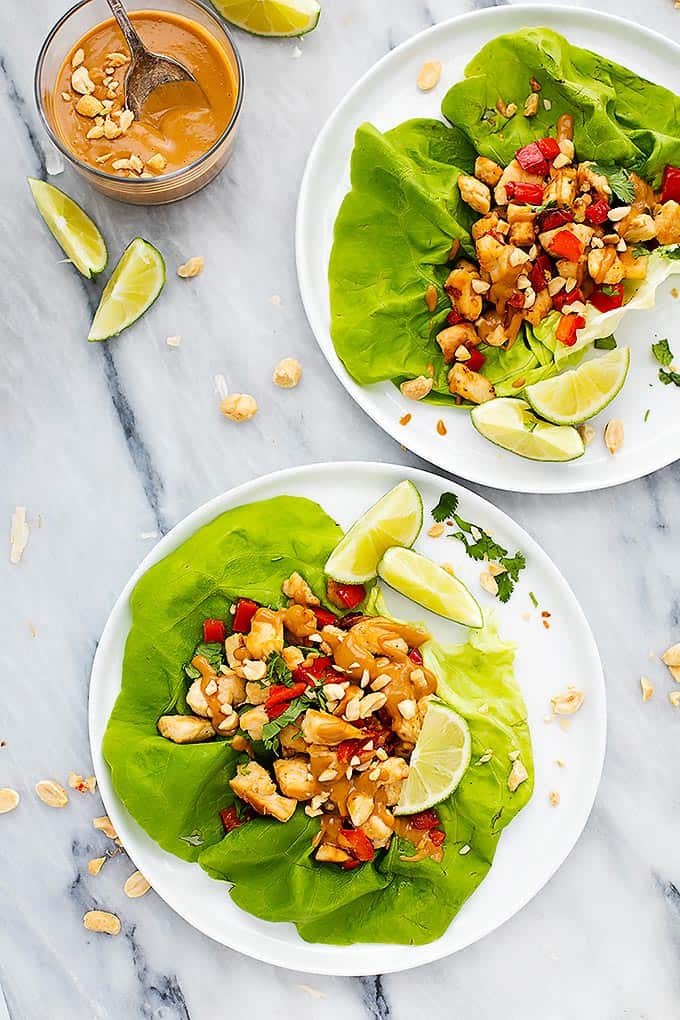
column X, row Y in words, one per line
column 109, row 445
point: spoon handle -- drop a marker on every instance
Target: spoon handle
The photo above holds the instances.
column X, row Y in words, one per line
column 121, row 15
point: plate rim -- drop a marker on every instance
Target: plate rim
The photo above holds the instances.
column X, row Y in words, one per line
column 327, row 959
column 562, row 485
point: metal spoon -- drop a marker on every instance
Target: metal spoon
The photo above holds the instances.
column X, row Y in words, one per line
column 147, row 70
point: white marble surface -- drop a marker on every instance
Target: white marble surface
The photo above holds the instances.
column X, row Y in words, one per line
column 107, row 443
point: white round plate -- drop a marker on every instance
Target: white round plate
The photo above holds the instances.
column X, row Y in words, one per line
column 536, row 842
column 386, row 96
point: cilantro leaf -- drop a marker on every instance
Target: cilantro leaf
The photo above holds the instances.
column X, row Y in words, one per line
column 662, row 352
column 277, row 670
column 481, row 546
column 620, row 180
column 605, row 343
column 271, row 730
column 669, row 251
column 667, row 377
column 212, row 651
column 446, row 507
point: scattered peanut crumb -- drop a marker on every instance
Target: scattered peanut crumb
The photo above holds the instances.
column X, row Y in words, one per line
column 173, row 341
column 564, row 724
column 518, row 774
column 314, row 992
column 287, row 373
column 102, row 921
column 587, row 434
column 554, row 798
column 103, row 824
column 136, row 885
column 531, row 105
column 560, row 764
column 18, row 535
column 488, row 583
column 429, row 75
column 405, row 419
column 436, row 530
column 157, row 163
column 416, row 389
column 526, row 616
column 546, row 624
column 51, row 793
column 275, row 299
column 465, row 850
column 671, row 657
column 441, row 428
column 95, row 865
column 647, row 688
column 567, row 703
column 9, row 800
column 431, row 297
column 674, row 290
column 674, row 698
column 613, row 435
column 31, row 628
column 78, row 58
column 238, row 406
column 547, row 104
column 192, row 267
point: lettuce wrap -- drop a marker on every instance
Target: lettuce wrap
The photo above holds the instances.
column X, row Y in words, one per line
column 175, row 792
column 394, row 230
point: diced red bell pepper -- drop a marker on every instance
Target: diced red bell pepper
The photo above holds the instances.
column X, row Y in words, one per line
column 549, row 147
column 320, row 667
column 245, row 611
column 598, row 212
column 527, row 194
column 351, row 595
column 437, row 836
column 214, row 631
column 566, row 245
column 516, row 299
column 670, row 189
column 350, row 865
column 566, row 331
column 425, row 820
column 562, row 299
column 415, row 656
column 553, row 218
column 230, row 818
column 324, row 617
column 540, row 273
column 281, row 696
column 358, row 844
column 531, row 159
column 608, row 296
column 453, row 318
column 476, row 359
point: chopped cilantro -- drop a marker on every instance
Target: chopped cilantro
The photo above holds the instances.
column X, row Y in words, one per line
column 669, row 251
column 446, row 507
column 534, row 600
column 277, row 670
column 213, row 652
column 662, row 352
column 647, row 413
column 605, row 343
column 620, row 180
column 667, row 377
column 480, row 546
column 271, row 730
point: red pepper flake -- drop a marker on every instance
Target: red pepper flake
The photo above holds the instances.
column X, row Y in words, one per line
column 546, row 614
column 545, row 624
column 231, row 820
column 441, row 428
column 405, row 419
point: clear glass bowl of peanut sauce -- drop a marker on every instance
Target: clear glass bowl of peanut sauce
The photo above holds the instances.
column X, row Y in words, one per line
column 186, row 131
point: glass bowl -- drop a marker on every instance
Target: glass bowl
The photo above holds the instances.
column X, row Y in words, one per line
column 163, row 188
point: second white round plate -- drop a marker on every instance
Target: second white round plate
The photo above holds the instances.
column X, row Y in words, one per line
column 386, row 96
column 548, row 659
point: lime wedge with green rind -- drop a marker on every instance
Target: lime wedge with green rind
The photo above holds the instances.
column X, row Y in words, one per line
column 510, row 423
column 432, row 587
column 396, row 519
column 133, row 287
column 271, row 17
column 581, row 393
column 77, row 235
column 438, row 761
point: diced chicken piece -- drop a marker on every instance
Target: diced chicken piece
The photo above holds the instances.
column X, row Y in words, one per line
column 392, row 770
column 256, row 694
column 327, row 729
column 562, row 188
column 645, row 197
column 667, row 220
column 470, row 385
column 233, row 644
column 185, row 729
column 196, row 700
column 393, row 792
column 483, row 225
column 637, row 227
column 604, row 265
column 633, row 268
column 300, row 621
column 489, row 249
column 266, row 633
column 510, row 262
column 360, row 807
column 292, row 775
column 330, row 854
column 292, row 657
column 519, row 214
column 453, row 337
column 460, row 287
column 378, row 831
column 572, row 270
column 488, row 171
column 541, row 307
column 253, row 784
column 522, row 234
column 587, row 180
column 474, row 193
column 297, row 589
column 513, row 172
column 253, row 722
column 231, row 689
column 292, row 741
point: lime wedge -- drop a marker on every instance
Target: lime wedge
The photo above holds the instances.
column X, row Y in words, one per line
column 509, row 422
column 271, row 17
column 71, row 227
column 133, row 287
column 581, row 393
column 396, row 519
column 430, row 586
column 438, row 762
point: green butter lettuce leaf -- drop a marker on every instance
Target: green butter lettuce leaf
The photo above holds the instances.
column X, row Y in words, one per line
column 392, row 900
column 174, row 790
column 392, row 239
column 618, row 117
